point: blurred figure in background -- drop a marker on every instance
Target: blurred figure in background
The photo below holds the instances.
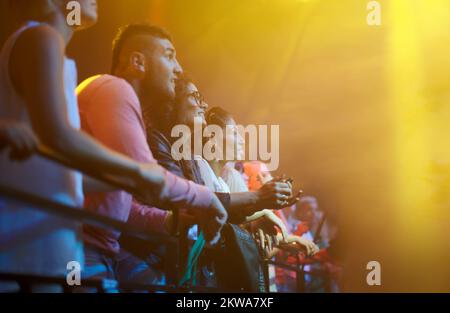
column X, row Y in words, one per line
column 307, row 221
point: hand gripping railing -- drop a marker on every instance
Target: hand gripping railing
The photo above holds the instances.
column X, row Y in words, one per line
column 172, row 241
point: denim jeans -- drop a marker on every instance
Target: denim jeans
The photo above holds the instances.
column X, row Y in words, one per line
column 123, row 267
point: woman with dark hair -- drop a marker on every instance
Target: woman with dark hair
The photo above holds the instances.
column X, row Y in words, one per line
column 188, row 110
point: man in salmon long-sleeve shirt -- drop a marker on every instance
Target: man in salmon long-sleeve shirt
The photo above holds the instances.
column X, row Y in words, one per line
column 110, row 111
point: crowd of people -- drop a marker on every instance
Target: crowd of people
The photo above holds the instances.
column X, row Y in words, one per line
column 232, row 214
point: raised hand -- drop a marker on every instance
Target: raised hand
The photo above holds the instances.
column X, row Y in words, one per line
column 212, row 220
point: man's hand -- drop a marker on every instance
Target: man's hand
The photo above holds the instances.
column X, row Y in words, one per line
column 212, row 220
column 269, row 222
column 152, row 189
column 269, row 244
column 274, row 195
column 302, row 244
column 294, row 198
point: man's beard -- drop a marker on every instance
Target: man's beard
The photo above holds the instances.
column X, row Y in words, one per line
column 157, row 113
column 157, row 106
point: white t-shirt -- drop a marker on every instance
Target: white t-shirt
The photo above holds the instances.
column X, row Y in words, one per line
column 233, row 178
column 214, row 183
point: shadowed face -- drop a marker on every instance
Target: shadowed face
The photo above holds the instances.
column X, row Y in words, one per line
column 162, row 68
column 305, row 211
column 234, row 138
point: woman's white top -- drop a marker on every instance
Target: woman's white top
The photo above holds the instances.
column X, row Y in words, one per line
column 214, row 183
column 233, row 178
column 32, row 241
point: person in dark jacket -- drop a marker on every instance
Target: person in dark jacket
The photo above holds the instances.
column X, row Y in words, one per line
column 274, row 194
column 187, row 109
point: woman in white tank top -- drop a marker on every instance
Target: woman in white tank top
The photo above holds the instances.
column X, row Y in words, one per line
column 31, row 241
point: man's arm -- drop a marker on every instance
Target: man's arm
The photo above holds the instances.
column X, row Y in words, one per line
column 36, row 69
column 112, row 114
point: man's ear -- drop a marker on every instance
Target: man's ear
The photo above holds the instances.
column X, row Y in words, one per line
column 138, row 62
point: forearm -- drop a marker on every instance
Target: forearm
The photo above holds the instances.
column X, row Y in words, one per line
column 184, row 194
column 242, row 205
column 91, row 185
column 148, row 218
column 89, row 154
column 243, row 200
column 185, row 221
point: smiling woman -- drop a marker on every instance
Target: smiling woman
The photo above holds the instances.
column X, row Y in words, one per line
column 190, row 105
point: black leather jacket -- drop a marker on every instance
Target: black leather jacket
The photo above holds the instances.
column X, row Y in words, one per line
column 239, row 245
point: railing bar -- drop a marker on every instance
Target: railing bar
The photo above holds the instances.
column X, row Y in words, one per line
column 295, row 269
column 29, row 279
column 55, row 157
column 81, row 214
column 105, row 178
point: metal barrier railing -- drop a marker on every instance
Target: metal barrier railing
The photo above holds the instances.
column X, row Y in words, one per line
column 84, row 216
column 26, row 281
column 81, row 215
column 300, row 273
column 172, row 262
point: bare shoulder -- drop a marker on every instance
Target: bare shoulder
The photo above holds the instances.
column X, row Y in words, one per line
column 39, row 40
column 37, row 50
